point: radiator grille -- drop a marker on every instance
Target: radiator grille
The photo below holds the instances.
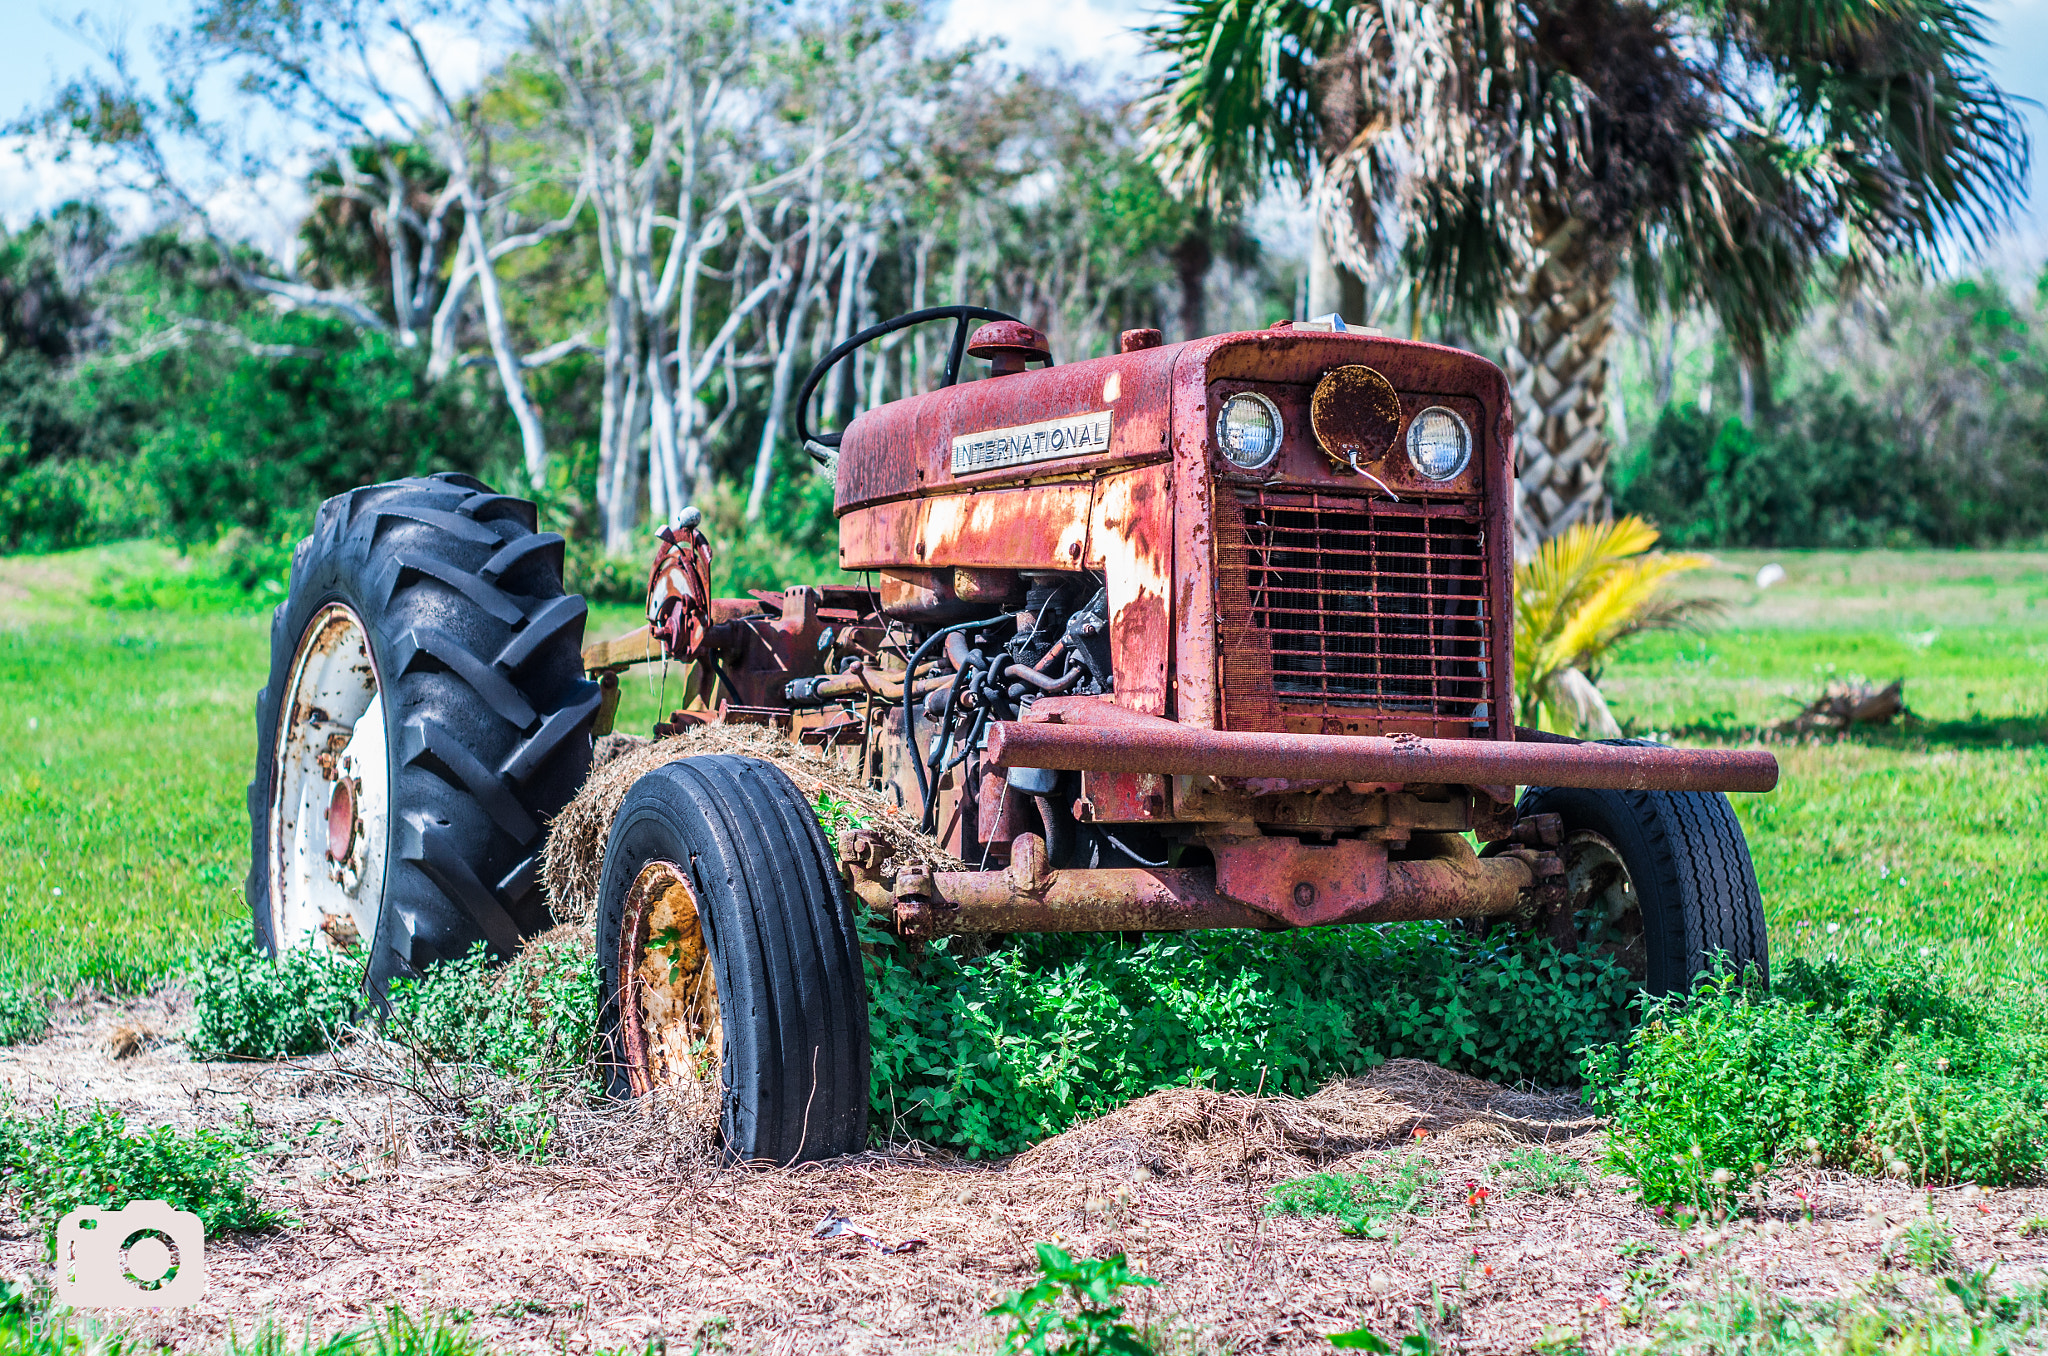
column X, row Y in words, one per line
column 1355, row 607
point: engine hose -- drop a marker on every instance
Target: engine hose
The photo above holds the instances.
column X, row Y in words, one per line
column 1059, row 832
column 965, row 750
column 1043, row 683
column 909, row 676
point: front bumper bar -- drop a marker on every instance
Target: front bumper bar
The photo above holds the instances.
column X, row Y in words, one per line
column 1089, row 734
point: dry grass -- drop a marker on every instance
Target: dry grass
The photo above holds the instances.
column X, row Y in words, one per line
column 643, row 1232
column 573, row 863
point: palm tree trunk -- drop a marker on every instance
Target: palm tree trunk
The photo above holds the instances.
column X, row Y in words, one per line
column 1557, row 364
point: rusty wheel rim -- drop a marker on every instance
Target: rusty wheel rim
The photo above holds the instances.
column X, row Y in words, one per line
column 669, row 1020
column 330, row 796
column 1603, row 904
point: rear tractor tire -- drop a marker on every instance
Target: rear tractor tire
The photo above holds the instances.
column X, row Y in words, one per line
column 1660, row 881
column 426, row 715
column 727, row 949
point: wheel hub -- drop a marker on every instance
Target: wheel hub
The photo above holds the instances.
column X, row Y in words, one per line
column 1605, row 911
column 669, row 1020
column 329, row 810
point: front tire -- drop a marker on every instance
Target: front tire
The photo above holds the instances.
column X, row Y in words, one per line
column 727, row 946
column 1659, row 881
column 426, row 715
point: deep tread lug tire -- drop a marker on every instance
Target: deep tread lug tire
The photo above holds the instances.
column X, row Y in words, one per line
column 1689, row 862
column 487, row 712
column 778, row 927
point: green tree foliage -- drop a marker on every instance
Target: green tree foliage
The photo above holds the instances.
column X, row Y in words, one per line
column 151, row 395
column 1925, row 423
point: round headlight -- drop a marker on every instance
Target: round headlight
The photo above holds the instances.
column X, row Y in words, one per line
column 1249, row 430
column 1439, row 444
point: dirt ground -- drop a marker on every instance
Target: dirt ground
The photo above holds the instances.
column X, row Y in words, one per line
column 607, row 1254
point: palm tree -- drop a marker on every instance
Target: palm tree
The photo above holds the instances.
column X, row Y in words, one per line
column 1520, row 160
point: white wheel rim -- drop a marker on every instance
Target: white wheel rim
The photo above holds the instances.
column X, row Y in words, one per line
column 331, row 797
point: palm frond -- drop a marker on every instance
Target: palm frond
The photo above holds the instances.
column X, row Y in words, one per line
column 1588, row 589
column 1236, row 107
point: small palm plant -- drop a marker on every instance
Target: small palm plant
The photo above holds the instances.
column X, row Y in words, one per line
column 1585, row 591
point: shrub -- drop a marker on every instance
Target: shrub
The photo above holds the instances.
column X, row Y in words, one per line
column 1873, row 1063
column 994, row 1054
column 1948, row 1112
column 245, row 1005
column 1719, row 1088
column 533, row 1019
column 57, row 1162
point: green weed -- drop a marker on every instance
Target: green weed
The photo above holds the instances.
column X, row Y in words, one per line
column 1071, row 1311
column 508, row 1044
column 1873, row 1064
column 1418, row 1343
column 996, row 1053
column 1924, row 1243
column 1748, row 1315
column 245, row 1005
column 1364, row 1205
column 24, row 1015
column 64, row 1159
column 1536, row 1171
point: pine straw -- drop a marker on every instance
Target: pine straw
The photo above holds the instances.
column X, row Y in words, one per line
column 1196, row 1130
column 572, row 864
column 570, row 1259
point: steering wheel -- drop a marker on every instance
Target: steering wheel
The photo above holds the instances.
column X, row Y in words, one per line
column 961, row 316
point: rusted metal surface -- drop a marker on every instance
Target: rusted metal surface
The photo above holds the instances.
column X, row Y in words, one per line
column 1087, row 737
column 1292, row 803
column 1029, row 897
column 669, row 1023
column 1135, row 341
column 1355, row 414
column 1352, row 880
column 1008, row 346
column 1130, row 540
column 1123, row 798
column 904, row 449
column 679, row 590
column 1031, row 527
column 1353, row 614
column 1262, row 883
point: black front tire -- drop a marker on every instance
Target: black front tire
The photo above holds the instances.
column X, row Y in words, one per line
column 1688, row 865
column 778, row 928
column 487, row 712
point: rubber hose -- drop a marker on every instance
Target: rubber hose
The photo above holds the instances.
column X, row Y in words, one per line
column 1059, row 832
column 909, row 678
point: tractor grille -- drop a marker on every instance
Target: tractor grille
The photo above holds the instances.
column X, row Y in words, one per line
column 1358, row 609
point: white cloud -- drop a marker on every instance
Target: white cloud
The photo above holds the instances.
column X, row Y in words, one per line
column 34, row 179
column 1099, row 32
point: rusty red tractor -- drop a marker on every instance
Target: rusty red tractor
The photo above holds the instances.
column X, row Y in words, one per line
column 1197, row 635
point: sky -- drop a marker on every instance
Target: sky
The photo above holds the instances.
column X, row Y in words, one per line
column 40, row 51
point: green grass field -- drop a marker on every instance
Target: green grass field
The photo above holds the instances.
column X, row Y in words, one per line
column 127, row 694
